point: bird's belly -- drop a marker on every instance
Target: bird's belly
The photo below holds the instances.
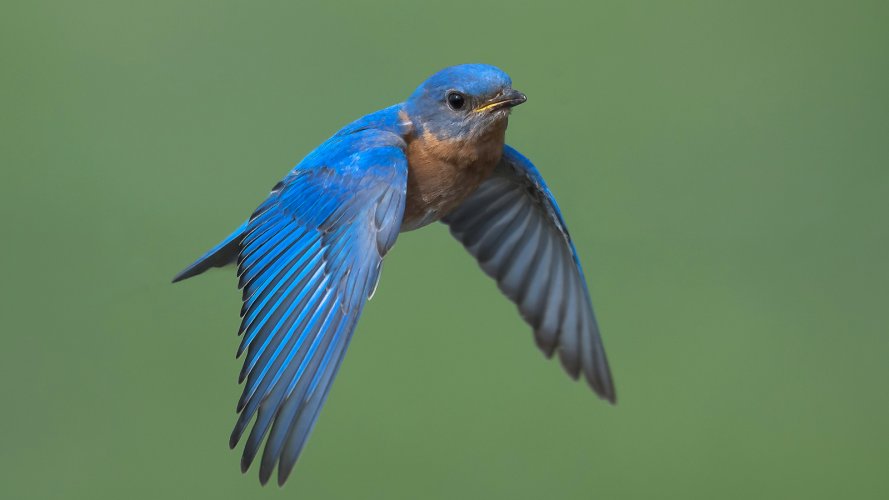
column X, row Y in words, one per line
column 434, row 189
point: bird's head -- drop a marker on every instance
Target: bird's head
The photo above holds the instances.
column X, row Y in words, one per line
column 464, row 101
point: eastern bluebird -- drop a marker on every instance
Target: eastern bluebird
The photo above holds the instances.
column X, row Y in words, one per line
column 310, row 255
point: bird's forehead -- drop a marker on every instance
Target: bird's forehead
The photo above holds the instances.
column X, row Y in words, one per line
column 474, row 79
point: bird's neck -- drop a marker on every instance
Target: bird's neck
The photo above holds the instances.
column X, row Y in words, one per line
column 442, row 172
column 477, row 151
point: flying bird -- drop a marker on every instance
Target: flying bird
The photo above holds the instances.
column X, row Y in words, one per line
column 310, row 255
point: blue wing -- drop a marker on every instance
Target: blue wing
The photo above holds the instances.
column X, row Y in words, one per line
column 308, row 259
column 221, row 255
column 514, row 227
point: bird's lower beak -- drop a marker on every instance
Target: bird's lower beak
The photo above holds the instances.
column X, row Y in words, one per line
column 507, row 99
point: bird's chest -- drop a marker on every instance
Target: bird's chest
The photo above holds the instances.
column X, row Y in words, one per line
column 441, row 174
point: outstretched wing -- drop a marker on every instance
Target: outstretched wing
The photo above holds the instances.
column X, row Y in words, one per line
column 513, row 226
column 309, row 258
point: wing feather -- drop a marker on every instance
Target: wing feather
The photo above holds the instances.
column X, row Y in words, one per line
column 513, row 227
column 309, row 258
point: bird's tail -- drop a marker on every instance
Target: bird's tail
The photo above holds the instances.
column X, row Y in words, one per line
column 222, row 254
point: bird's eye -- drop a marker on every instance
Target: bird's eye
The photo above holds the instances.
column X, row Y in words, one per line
column 456, row 100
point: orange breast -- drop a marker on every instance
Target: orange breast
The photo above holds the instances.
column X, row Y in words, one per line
column 442, row 173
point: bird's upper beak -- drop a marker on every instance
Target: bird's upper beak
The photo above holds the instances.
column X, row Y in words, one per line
column 506, row 99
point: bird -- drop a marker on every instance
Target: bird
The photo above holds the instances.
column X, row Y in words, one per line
column 309, row 257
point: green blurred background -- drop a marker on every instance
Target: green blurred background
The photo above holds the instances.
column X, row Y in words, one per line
column 723, row 166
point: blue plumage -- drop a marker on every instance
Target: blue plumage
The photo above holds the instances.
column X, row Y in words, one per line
column 310, row 255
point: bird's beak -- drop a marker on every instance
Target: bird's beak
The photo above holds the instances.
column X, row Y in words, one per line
column 506, row 99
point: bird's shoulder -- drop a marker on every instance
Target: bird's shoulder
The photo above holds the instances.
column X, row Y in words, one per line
column 519, row 166
column 391, row 119
column 370, row 145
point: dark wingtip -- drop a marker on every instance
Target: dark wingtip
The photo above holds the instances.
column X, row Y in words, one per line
column 186, row 273
column 611, row 397
column 600, row 377
column 604, row 389
column 610, row 392
column 265, row 473
column 284, row 473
